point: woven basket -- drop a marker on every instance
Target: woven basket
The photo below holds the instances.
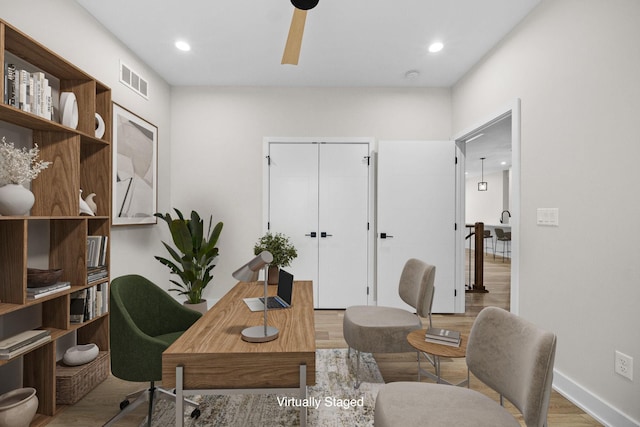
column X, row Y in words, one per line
column 74, row 382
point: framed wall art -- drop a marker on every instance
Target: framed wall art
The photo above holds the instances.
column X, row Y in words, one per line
column 135, row 171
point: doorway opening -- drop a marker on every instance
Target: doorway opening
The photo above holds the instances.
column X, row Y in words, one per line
column 489, row 193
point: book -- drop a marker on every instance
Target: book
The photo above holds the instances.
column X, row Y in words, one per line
column 96, row 273
column 443, row 335
column 22, row 339
column 35, row 293
column 11, row 86
column 442, row 342
column 96, row 251
column 77, row 306
column 25, row 348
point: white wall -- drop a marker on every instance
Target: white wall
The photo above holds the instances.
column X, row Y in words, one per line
column 575, row 65
column 484, row 206
column 217, row 151
column 70, row 31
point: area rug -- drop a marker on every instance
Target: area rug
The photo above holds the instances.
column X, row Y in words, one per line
column 338, row 403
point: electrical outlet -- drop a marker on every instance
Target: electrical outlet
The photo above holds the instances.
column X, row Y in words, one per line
column 624, row 365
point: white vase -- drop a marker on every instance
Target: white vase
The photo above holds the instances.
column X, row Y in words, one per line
column 200, row 307
column 18, row 407
column 15, row 200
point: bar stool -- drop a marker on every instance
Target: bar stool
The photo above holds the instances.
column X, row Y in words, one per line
column 488, row 235
column 505, row 238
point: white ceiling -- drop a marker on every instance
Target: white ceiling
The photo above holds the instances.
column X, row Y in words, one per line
column 346, row 42
column 494, row 144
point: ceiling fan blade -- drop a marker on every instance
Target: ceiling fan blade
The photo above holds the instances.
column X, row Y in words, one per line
column 294, row 40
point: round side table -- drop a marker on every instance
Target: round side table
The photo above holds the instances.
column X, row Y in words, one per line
column 428, row 349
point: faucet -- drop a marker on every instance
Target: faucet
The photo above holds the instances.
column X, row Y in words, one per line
column 502, row 216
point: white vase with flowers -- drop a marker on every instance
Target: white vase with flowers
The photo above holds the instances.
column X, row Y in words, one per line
column 18, row 166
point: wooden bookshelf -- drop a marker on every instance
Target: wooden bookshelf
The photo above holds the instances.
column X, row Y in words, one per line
column 80, row 161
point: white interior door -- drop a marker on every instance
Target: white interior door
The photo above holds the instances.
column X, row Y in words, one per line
column 343, row 224
column 318, row 195
column 416, row 216
column 293, row 204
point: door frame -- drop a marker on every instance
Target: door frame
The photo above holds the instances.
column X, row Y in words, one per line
column 511, row 109
column 371, row 241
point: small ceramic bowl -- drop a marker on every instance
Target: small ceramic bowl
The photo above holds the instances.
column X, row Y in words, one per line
column 80, row 354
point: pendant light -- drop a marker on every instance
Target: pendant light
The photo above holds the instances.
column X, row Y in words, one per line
column 482, row 185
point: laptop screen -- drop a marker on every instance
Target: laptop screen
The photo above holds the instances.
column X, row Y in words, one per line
column 285, row 286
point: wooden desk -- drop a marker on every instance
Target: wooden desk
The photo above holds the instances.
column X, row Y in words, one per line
column 211, row 357
column 416, row 339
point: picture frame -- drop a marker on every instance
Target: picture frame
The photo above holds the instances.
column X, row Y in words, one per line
column 135, row 169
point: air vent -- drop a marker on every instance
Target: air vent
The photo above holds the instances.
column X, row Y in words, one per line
column 134, row 81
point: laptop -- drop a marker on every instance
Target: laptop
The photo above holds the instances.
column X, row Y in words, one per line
column 282, row 300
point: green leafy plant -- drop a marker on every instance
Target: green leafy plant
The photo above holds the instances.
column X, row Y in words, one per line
column 194, row 254
column 280, row 247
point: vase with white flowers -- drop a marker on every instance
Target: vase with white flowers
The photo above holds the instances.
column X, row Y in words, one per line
column 18, row 166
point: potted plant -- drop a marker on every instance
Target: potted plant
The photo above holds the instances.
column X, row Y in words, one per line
column 192, row 260
column 17, row 166
column 282, row 250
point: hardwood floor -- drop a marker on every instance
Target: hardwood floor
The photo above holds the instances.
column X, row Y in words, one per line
column 102, row 403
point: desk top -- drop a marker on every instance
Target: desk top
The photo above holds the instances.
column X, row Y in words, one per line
column 416, row 339
column 215, row 356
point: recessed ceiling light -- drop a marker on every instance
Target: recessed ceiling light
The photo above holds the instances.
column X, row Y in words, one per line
column 183, row 46
column 435, row 47
column 503, row 163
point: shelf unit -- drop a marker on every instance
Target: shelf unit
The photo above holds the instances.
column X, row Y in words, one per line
column 80, row 161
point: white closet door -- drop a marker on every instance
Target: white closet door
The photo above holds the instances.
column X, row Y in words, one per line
column 293, row 204
column 343, row 220
column 416, row 216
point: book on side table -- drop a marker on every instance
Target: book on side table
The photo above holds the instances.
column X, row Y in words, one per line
column 443, row 336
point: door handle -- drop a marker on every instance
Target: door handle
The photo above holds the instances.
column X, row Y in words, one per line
column 386, row 236
column 324, row 234
column 312, row 234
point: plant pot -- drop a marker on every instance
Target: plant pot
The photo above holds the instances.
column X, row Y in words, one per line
column 274, row 272
column 200, row 307
column 18, row 407
column 15, row 200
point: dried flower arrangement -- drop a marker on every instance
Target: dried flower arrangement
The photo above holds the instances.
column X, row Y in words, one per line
column 18, row 166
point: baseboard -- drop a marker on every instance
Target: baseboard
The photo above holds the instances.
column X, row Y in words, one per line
column 590, row 403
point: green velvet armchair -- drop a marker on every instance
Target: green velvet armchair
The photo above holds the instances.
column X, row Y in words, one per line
column 144, row 321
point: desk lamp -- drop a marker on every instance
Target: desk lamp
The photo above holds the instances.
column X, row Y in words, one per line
column 249, row 273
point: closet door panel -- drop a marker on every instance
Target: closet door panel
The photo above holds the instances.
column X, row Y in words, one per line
column 293, row 204
column 343, row 219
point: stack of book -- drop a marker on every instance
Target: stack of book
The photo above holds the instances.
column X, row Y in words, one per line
column 96, row 251
column 443, row 336
column 29, row 92
column 89, row 303
column 96, row 273
column 43, row 291
column 22, row 342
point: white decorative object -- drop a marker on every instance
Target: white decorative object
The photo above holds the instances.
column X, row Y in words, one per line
column 18, row 407
column 80, row 354
column 69, row 109
column 92, row 205
column 100, row 128
column 84, row 207
column 15, row 200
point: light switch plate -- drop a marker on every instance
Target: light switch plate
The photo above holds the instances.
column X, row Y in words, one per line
column 548, row 216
